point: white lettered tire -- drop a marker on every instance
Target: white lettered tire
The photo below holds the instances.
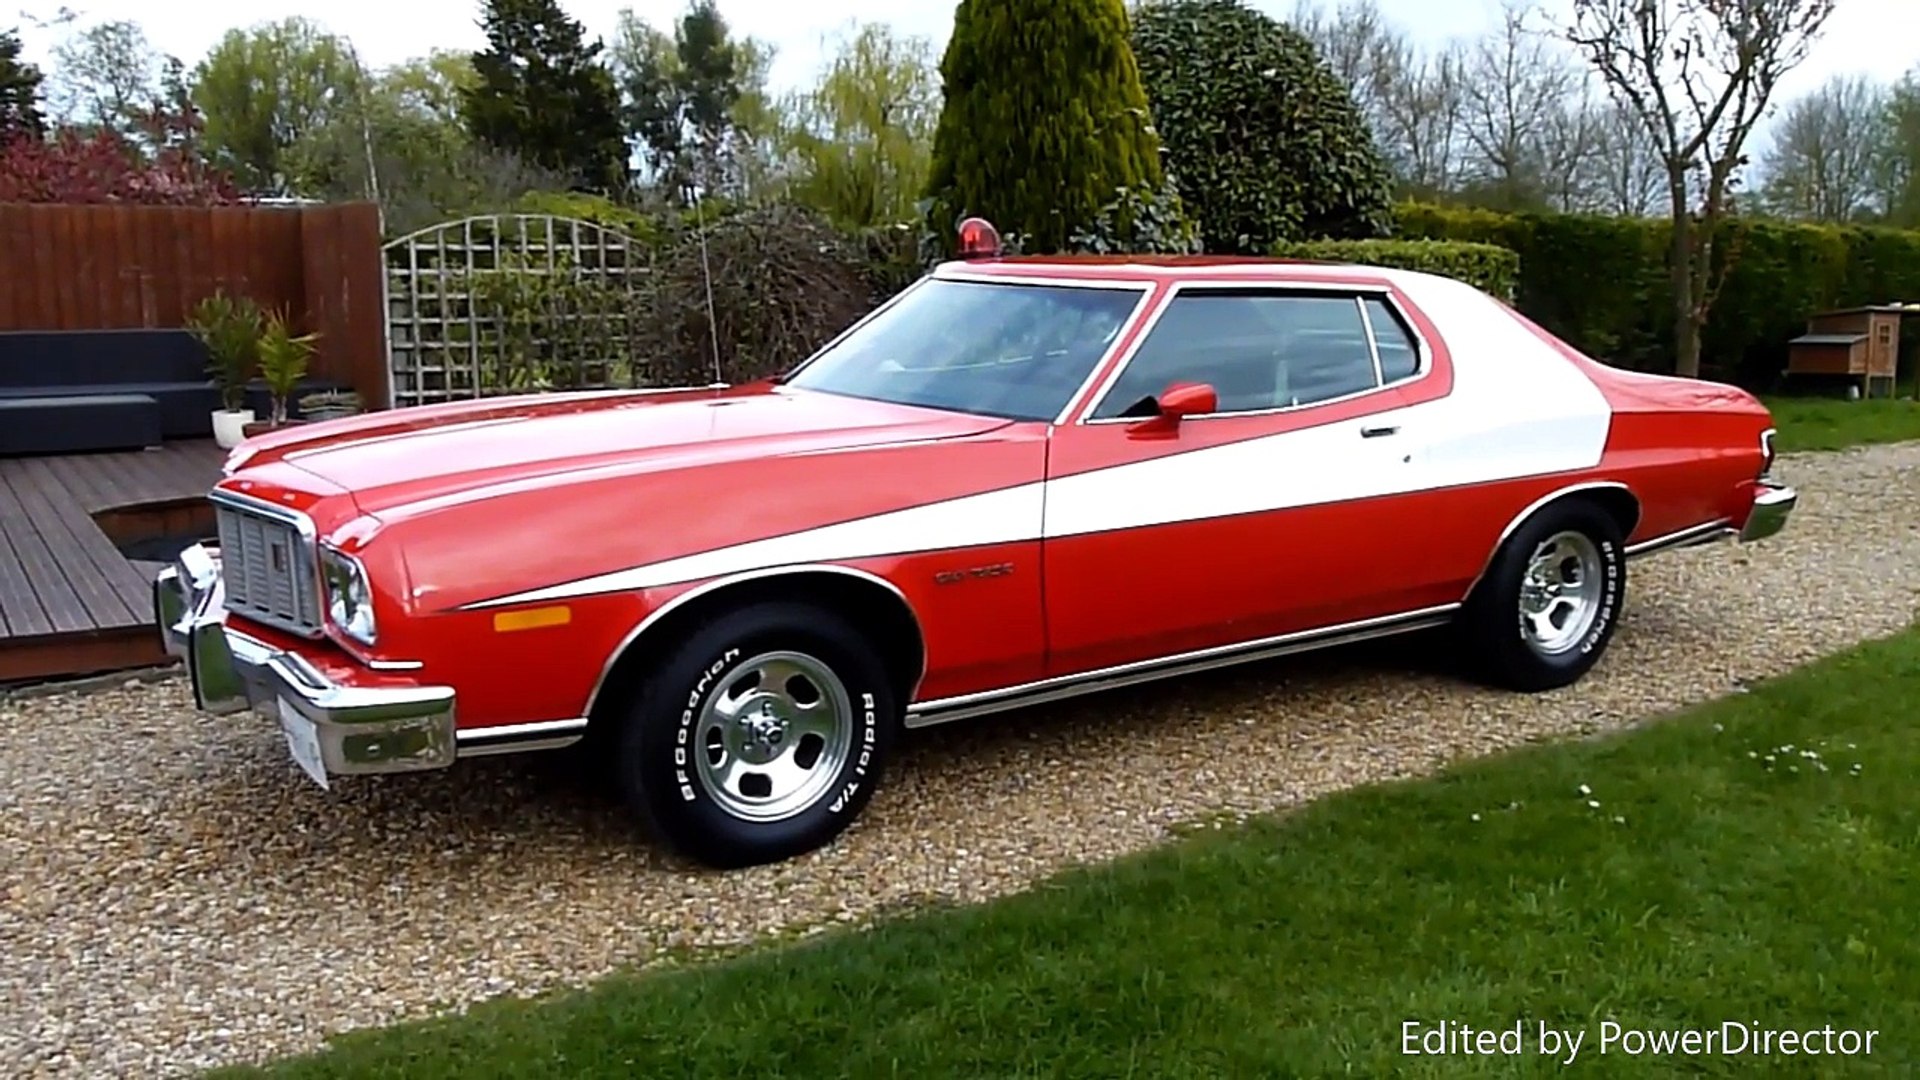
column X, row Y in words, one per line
column 760, row 736
column 1546, row 609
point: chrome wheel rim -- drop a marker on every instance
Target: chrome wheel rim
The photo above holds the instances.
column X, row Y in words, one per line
column 1560, row 594
column 773, row 736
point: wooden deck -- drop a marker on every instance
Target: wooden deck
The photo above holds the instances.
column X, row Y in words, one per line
column 70, row 602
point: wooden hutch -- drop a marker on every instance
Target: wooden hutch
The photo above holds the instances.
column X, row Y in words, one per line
column 1860, row 343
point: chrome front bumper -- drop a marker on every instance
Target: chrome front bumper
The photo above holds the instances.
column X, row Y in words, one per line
column 358, row 729
column 1773, row 503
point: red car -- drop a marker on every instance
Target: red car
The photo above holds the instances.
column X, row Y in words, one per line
column 1019, row 480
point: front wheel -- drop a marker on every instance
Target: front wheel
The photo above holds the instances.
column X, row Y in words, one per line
column 760, row 737
column 1546, row 609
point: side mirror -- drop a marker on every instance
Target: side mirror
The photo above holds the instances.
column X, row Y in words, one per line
column 1188, row 399
column 1175, row 403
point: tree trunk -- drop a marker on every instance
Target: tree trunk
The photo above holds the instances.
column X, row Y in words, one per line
column 1686, row 332
column 1686, row 346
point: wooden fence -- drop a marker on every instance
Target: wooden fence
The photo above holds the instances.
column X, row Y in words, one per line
column 144, row 267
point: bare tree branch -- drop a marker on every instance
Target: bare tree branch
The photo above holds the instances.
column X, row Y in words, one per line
column 1515, row 91
column 1411, row 100
column 1699, row 75
column 1825, row 163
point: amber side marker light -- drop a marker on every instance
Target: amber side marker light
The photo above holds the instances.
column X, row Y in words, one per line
column 532, row 619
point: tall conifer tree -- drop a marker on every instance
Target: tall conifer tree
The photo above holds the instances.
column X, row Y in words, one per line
column 1044, row 123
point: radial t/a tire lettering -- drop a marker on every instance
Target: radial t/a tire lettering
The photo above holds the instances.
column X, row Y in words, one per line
column 760, row 736
column 1547, row 606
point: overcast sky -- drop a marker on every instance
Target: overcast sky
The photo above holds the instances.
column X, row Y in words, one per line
column 1863, row 36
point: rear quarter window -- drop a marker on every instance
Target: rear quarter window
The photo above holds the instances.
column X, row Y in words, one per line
column 1399, row 355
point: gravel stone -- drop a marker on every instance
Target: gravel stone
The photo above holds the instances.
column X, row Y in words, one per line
column 178, row 895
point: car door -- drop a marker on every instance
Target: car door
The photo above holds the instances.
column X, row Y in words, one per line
column 1272, row 515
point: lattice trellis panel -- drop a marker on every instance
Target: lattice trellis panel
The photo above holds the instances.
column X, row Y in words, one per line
column 513, row 303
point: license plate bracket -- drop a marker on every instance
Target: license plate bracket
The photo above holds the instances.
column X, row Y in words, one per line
column 303, row 742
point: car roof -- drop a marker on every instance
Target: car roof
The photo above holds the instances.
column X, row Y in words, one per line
column 1163, row 268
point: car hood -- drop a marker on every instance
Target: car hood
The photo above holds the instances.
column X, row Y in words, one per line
column 470, row 450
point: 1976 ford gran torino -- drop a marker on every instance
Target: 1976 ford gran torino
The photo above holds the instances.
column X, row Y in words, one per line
column 1018, row 480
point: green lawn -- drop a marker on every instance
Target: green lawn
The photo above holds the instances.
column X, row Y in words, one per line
column 1755, row 860
column 1812, row 423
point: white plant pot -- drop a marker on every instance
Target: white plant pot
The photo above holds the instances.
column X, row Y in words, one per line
column 229, row 426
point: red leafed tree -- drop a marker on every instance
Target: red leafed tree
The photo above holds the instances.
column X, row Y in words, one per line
column 105, row 167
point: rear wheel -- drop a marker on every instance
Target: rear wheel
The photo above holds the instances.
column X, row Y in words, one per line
column 760, row 737
column 1546, row 609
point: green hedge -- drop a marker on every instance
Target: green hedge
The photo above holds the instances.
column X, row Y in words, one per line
column 1488, row 267
column 1601, row 283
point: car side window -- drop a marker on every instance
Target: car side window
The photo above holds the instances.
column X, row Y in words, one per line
column 1258, row 350
column 1399, row 356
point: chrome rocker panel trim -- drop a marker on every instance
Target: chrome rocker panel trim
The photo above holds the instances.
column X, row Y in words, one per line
column 1773, row 505
column 515, row 738
column 944, row 710
column 1706, row 533
column 361, row 729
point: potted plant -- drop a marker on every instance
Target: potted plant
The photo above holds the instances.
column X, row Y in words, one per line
column 229, row 328
column 284, row 357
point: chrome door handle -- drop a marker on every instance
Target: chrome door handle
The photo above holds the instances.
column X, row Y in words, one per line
column 1377, row 432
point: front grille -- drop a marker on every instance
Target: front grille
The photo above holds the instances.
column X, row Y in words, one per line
column 268, row 569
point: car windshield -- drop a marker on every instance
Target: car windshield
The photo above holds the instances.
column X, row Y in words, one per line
column 1011, row 350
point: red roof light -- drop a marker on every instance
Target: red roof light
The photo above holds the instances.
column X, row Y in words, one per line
column 979, row 239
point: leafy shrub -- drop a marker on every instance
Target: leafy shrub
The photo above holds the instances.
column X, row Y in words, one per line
column 104, row 167
column 1264, row 142
column 1136, row 221
column 894, row 256
column 1044, row 121
column 1140, row 221
column 785, row 282
column 545, row 324
column 1488, row 267
column 597, row 209
column 1601, row 283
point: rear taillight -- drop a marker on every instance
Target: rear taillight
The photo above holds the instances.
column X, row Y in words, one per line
column 1766, row 453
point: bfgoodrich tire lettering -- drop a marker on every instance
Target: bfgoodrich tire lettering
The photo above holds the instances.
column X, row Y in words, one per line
column 1546, row 609
column 760, row 737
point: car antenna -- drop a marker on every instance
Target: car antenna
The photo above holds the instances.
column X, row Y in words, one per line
column 706, row 273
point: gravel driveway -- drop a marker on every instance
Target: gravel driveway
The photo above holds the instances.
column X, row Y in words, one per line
column 177, row 895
